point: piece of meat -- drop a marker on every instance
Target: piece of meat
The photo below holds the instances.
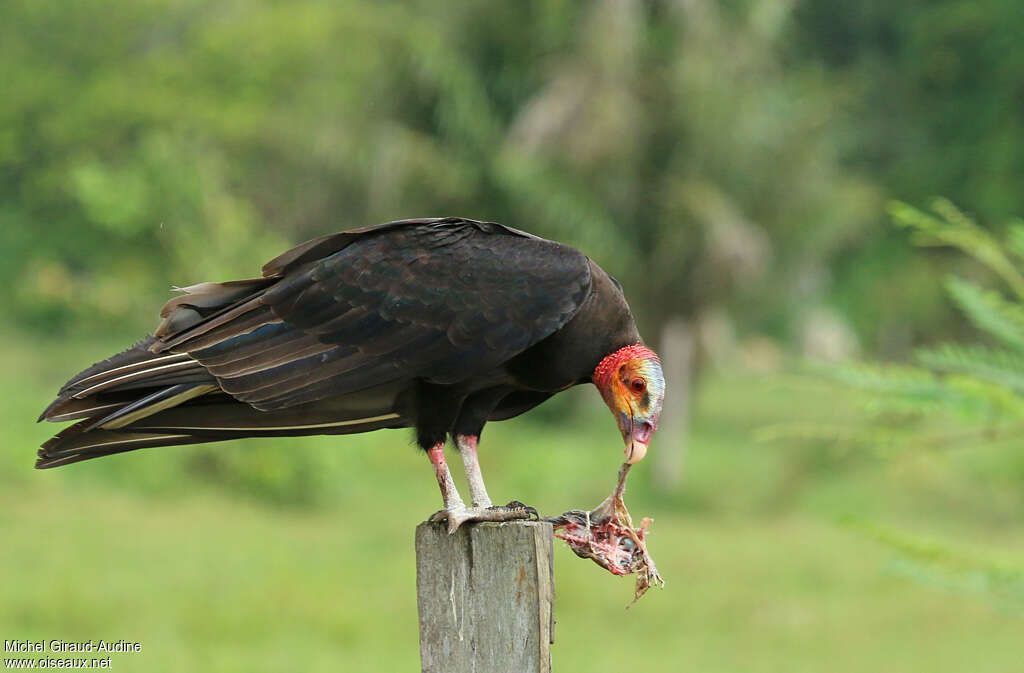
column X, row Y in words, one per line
column 606, row 536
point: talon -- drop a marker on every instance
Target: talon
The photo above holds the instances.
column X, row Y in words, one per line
column 453, row 525
column 454, row 518
column 515, row 505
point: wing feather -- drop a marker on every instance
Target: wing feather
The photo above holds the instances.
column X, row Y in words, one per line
column 440, row 300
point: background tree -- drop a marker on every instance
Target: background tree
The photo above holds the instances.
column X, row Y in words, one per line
column 210, row 136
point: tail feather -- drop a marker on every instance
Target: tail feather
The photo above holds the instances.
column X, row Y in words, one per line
column 137, row 354
column 116, row 392
column 47, row 463
column 109, row 384
column 139, row 399
column 81, row 382
column 77, row 443
column 137, row 367
column 156, row 374
column 197, row 423
column 104, row 429
column 72, row 409
column 165, row 398
column 78, row 438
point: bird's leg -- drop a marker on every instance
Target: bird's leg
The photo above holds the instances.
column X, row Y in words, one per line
column 455, row 511
column 449, row 494
column 477, row 489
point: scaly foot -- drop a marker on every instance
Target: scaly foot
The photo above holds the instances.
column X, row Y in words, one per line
column 457, row 516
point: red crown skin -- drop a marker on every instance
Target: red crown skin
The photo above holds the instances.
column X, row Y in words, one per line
column 605, row 370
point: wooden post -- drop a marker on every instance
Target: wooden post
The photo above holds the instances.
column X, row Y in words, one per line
column 486, row 597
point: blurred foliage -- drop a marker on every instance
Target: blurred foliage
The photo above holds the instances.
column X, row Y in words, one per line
column 956, row 395
column 708, row 154
column 981, row 385
column 940, row 565
column 932, row 93
column 937, row 87
column 171, row 141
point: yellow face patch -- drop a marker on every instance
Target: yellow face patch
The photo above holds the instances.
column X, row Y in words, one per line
column 641, row 388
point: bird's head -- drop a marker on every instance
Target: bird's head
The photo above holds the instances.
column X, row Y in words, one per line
column 633, row 387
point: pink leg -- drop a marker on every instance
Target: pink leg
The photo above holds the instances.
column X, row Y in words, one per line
column 477, row 489
column 455, row 511
column 449, row 493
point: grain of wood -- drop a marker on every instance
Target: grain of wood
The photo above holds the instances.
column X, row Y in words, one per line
column 486, row 597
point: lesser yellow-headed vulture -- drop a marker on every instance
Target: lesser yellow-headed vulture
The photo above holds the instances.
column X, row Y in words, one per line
column 437, row 324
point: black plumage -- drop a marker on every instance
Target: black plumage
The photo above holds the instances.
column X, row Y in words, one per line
column 438, row 324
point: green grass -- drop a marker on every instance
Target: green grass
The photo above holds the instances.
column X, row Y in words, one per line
column 213, row 574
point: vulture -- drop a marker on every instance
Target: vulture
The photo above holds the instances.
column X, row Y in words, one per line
column 438, row 324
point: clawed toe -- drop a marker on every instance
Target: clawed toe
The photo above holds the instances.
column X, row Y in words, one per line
column 517, row 507
column 457, row 516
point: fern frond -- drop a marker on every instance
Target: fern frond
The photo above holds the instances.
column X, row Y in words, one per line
column 955, row 229
column 989, row 311
column 896, row 380
column 910, row 392
column 989, row 400
column 995, row 366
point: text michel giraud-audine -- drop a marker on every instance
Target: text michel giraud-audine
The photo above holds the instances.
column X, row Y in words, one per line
column 67, row 646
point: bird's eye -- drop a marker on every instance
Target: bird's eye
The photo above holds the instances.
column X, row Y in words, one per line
column 638, row 385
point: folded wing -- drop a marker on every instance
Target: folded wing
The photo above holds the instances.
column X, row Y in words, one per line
column 440, row 300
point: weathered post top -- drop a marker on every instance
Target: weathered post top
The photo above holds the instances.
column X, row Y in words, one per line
column 486, row 597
